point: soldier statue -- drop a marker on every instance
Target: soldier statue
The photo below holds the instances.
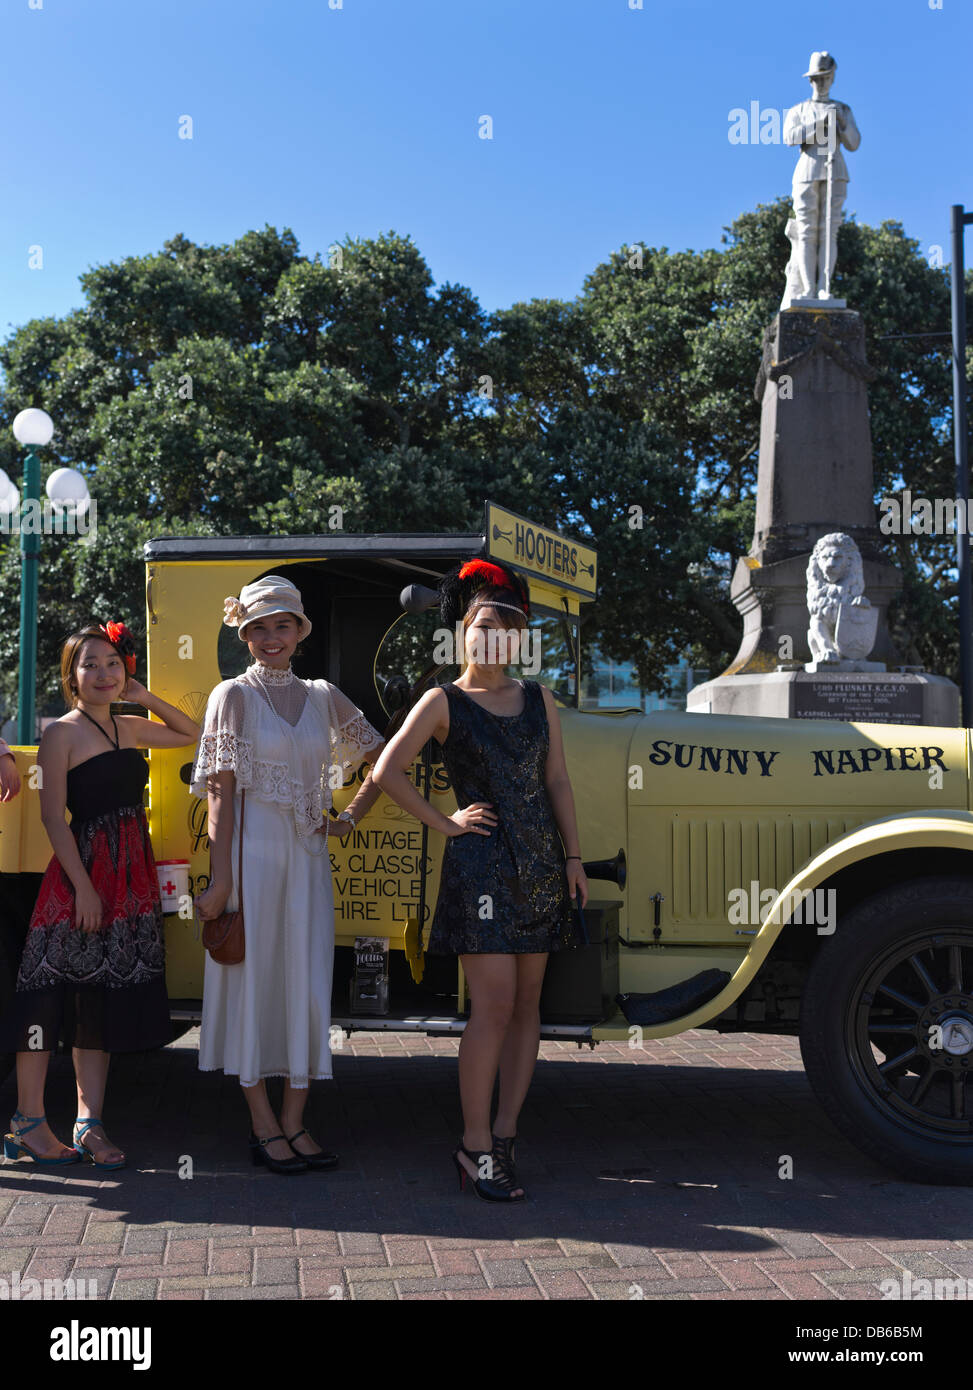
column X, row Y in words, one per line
column 820, row 182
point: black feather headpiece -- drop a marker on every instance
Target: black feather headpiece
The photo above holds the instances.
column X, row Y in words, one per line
column 483, row 579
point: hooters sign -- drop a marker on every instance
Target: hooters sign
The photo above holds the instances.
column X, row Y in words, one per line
column 537, row 551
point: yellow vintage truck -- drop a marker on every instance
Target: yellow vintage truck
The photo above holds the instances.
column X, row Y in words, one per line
column 806, row 877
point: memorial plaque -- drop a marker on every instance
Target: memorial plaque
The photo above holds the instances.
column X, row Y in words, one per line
column 859, row 701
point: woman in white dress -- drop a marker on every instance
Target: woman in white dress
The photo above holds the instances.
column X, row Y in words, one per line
column 287, row 743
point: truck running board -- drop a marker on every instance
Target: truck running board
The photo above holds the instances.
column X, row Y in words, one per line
column 444, row 1025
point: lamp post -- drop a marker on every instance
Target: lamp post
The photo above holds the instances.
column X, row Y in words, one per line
column 67, row 489
column 32, row 428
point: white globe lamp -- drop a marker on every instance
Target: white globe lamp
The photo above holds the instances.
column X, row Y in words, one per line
column 33, row 427
column 67, row 489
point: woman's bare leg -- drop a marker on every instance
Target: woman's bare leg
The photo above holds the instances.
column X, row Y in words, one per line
column 519, row 1055
column 31, row 1077
column 292, row 1118
column 91, row 1074
column 492, row 982
column 264, row 1122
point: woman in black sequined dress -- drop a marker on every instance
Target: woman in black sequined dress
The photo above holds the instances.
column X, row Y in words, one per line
column 507, row 884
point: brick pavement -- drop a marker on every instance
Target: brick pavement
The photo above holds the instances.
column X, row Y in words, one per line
column 651, row 1174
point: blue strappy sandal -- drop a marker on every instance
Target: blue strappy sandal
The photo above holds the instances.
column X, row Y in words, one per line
column 15, row 1148
column 81, row 1126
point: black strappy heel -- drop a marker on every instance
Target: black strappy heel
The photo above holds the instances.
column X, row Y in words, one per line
column 496, row 1188
column 503, row 1158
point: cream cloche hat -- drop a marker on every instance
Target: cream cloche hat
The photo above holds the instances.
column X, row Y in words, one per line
column 272, row 594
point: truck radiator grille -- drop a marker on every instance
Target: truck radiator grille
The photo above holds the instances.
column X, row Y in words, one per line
column 711, row 857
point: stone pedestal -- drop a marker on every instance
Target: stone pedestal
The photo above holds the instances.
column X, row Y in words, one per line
column 866, row 697
column 815, row 477
column 772, row 600
column 800, row 302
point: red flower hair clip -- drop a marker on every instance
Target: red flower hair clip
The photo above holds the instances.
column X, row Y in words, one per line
column 123, row 642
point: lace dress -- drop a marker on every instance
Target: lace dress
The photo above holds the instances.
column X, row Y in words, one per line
column 104, row 989
column 289, row 743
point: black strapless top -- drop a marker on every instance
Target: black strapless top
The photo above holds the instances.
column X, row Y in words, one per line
column 106, row 782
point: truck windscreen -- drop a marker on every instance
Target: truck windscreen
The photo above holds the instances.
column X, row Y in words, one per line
column 411, row 646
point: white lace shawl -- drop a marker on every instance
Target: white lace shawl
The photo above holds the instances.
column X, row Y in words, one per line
column 334, row 738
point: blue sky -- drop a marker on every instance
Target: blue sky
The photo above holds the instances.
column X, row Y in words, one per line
column 610, row 125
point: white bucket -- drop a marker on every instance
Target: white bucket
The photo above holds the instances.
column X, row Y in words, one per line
column 173, row 882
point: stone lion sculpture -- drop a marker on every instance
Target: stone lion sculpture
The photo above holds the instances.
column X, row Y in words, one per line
column 836, row 582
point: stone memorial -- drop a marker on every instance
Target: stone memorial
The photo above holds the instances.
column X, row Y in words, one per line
column 814, row 590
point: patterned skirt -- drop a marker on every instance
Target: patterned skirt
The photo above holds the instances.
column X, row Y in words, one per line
column 103, row 989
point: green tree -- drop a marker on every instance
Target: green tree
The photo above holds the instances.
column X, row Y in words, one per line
column 246, row 388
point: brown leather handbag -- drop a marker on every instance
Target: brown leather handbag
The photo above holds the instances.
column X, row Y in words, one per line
column 223, row 936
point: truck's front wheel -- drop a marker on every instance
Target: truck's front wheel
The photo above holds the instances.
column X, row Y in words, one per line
column 887, row 1028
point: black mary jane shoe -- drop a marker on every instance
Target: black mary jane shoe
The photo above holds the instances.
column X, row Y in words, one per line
column 496, row 1188
column 259, row 1154
column 319, row 1160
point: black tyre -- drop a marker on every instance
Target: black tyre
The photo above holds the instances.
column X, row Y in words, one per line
column 898, row 968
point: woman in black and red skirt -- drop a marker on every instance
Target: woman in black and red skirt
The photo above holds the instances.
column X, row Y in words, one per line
column 92, row 970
